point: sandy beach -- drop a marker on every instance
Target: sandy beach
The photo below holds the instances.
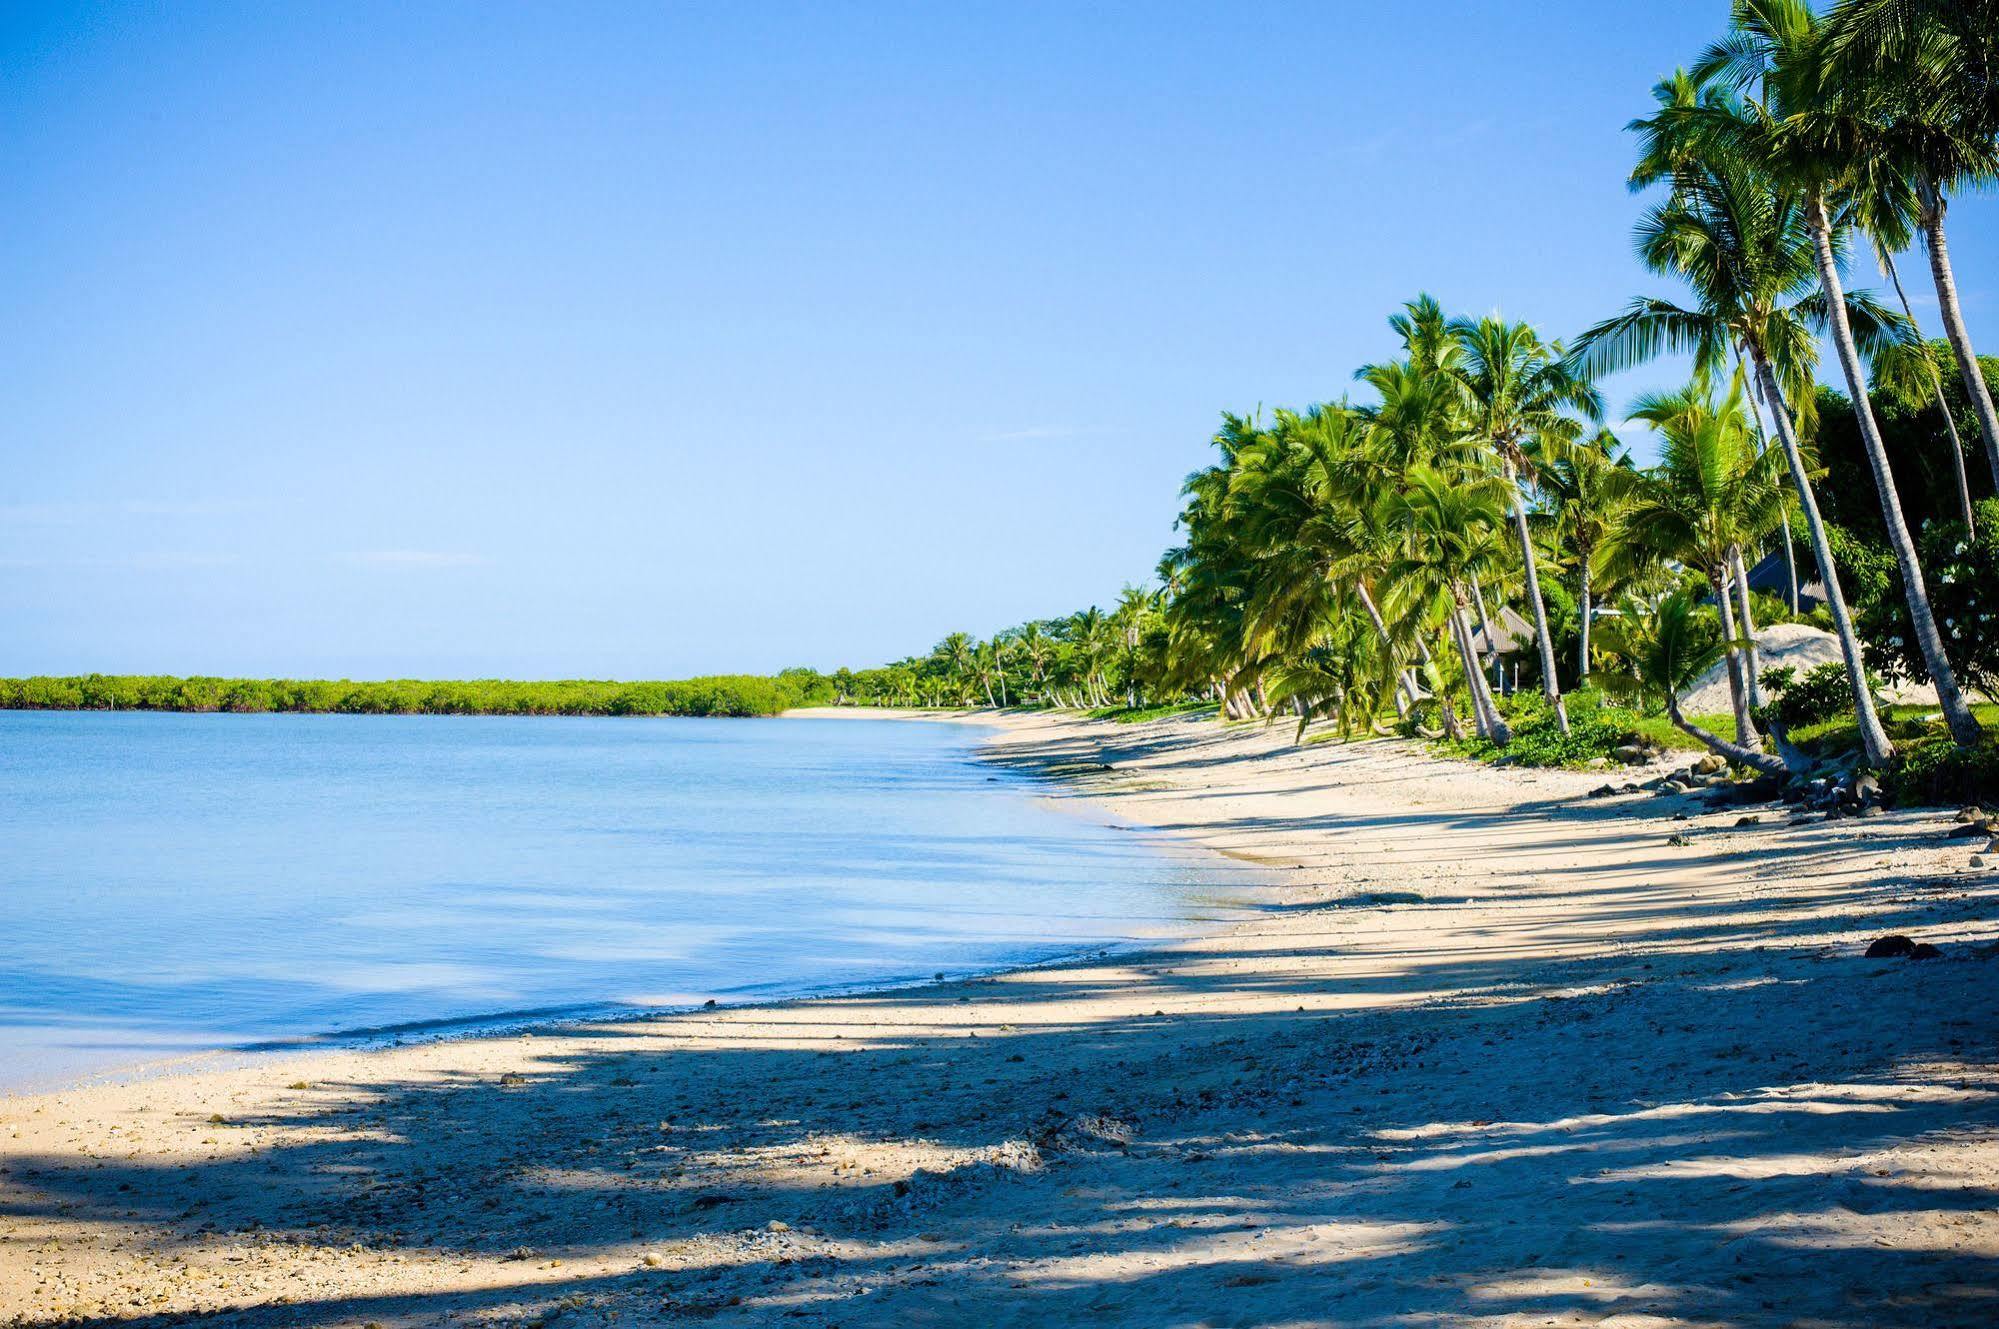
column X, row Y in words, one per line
column 1490, row 1053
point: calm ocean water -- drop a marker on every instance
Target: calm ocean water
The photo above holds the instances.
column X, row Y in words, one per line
column 180, row 883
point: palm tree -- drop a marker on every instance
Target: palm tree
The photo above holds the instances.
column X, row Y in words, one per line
column 1521, row 393
column 1711, row 493
column 1035, row 651
column 1744, row 248
column 1452, row 524
column 1589, row 484
column 1922, row 76
column 959, row 655
column 1797, row 131
column 1668, row 646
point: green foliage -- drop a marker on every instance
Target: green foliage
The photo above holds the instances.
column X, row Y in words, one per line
column 1959, row 570
column 1822, row 694
column 1140, row 714
column 1596, row 729
column 729, row 694
column 1939, row 771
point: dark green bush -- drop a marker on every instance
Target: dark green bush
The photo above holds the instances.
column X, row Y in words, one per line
column 1941, row 772
column 1822, row 694
column 1595, row 730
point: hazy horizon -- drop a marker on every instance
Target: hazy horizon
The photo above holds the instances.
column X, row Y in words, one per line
column 503, row 341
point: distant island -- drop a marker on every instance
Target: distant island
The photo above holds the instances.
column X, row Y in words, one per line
column 715, row 694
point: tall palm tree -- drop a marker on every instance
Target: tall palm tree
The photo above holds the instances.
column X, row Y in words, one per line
column 1035, row 652
column 1797, row 131
column 1452, row 523
column 1711, row 493
column 1521, row 393
column 1923, row 77
column 1744, row 248
column 1589, row 485
column 959, row 655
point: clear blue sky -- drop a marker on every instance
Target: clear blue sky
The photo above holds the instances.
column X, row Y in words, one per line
column 640, row 340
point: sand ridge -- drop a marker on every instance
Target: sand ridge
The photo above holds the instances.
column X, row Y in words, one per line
column 1490, row 1053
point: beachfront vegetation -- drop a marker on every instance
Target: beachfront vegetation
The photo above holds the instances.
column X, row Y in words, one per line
column 1460, row 547
column 730, row 694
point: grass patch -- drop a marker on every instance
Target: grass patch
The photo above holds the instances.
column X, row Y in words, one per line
column 1596, row 730
column 1140, row 714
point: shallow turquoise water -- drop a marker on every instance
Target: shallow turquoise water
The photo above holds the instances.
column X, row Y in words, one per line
column 178, row 883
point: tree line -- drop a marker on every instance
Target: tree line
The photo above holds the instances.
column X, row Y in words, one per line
column 718, row 695
column 1468, row 522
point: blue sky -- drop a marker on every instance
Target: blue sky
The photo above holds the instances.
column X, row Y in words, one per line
column 643, row 340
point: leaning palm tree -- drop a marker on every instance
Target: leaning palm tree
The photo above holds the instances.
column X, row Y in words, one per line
column 1665, row 648
column 1522, row 395
column 1796, row 130
column 1744, row 248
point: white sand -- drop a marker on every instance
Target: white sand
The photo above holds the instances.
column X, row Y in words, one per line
column 1494, row 1055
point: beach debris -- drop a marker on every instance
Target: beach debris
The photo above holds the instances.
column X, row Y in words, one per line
column 714, row 1199
column 1084, row 1132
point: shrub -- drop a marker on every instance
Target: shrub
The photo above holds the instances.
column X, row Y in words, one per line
column 1822, row 694
column 1595, row 730
column 1939, row 771
column 1964, row 596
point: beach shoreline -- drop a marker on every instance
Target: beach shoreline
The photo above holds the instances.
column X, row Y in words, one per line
column 502, row 1023
column 1648, row 1048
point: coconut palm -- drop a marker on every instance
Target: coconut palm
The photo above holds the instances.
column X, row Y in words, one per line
column 1796, row 130
column 1922, row 76
column 1452, row 523
column 1711, row 493
column 958, row 653
column 1035, row 652
column 1744, row 248
column 1520, row 395
column 1588, row 483
column 1667, row 647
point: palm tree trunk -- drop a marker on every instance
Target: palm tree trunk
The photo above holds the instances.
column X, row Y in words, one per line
column 1762, row 446
column 1738, row 700
column 1485, row 626
column 1943, row 406
column 1953, row 325
column 1582, row 650
column 1956, row 712
column 1473, row 673
column 1741, row 756
column 1750, row 660
column 1405, row 694
column 1481, row 692
column 1549, row 688
column 1873, row 738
